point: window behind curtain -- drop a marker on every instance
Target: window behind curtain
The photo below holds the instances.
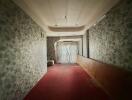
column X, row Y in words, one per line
column 67, row 52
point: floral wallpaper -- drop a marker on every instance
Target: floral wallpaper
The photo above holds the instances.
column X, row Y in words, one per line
column 22, row 52
column 110, row 41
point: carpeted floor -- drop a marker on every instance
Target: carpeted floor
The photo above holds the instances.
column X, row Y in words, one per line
column 66, row 82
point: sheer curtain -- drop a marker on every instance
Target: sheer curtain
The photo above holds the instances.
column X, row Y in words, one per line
column 66, row 52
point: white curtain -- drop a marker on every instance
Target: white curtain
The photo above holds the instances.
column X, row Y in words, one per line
column 66, row 52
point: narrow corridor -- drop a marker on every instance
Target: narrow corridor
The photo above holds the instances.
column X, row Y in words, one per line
column 66, row 82
column 65, row 49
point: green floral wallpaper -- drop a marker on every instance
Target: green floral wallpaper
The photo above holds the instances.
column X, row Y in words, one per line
column 110, row 41
column 22, row 52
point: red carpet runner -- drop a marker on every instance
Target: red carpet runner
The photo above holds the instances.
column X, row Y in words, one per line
column 66, row 82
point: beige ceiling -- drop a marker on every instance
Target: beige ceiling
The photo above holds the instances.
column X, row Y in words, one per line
column 65, row 17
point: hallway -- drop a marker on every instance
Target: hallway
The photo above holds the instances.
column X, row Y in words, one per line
column 65, row 49
column 66, row 82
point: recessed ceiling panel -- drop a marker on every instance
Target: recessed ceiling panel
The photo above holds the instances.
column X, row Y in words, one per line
column 66, row 13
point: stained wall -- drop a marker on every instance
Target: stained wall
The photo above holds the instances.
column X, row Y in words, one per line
column 22, row 52
column 110, row 41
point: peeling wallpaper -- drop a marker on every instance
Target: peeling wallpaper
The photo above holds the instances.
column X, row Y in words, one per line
column 50, row 47
column 110, row 41
column 22, row 52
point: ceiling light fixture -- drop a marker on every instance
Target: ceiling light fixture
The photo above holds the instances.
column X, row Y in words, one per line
column 66, row 19
column 66, row 11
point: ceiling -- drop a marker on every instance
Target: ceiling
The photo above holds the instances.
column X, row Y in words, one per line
column 66, row 17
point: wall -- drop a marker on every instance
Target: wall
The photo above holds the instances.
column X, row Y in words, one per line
column 117, row 83
column 110, row 41
column 85, row 44
column 22, row 52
